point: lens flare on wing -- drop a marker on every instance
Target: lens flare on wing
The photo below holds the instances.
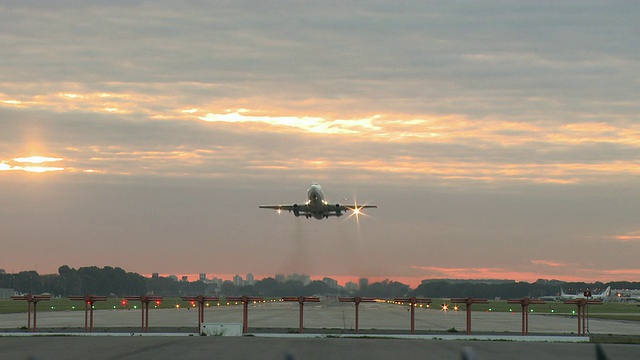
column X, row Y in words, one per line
column 356, row 211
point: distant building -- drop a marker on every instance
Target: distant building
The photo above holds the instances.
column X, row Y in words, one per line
column 250, row 279
column 237, row 280
column 185, row 278
column 363, row 283
column 202, row 277
column 331, row 282
column 6, row 293
column 351, row 286
column 2, row 271
column 154, row 276
column 280, row 278
column 304, row 279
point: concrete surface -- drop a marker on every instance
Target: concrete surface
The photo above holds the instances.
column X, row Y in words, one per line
column 327, row 317
column 199, row 347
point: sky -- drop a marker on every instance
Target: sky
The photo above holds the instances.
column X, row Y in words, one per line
column 498, row 139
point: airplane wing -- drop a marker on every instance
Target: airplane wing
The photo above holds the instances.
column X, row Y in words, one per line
column 328, row 210
column 353, row 207
column 333, row 210
column 277, row 207
column 297, row 209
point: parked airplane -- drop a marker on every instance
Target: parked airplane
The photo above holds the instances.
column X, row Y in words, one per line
column 602, row 296
column 317, row 207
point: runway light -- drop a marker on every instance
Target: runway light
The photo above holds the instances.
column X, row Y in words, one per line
column 456, row 308
column 177, row 306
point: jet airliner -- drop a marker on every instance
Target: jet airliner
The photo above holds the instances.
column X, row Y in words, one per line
column 316, row 207
column 602, row 296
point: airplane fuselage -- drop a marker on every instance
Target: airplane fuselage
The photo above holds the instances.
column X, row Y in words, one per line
column 316, row 201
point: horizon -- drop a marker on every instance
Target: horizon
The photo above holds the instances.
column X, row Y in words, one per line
column 342, row 280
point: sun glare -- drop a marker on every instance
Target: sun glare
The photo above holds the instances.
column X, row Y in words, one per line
column 31, row 164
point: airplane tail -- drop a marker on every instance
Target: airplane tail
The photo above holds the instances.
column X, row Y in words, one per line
column 607, row 291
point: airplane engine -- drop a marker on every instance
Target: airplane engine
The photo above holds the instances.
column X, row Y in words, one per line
column 338, row 210
column 296, row 211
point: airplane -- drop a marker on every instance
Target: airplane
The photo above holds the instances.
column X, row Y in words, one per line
column 316, row 207
column 602, row 296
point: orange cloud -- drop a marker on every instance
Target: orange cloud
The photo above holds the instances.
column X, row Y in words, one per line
column 400, row 129
column 631, row 236
column 548, row 263
column 573, row 274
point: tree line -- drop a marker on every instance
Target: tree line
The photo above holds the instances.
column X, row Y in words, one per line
column 116, row 282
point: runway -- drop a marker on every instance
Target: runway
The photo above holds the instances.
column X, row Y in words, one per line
column 273, row 334
column 326, row 317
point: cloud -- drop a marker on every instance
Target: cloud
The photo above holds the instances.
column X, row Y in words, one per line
column 630, row 236
column 581, row 274
column 548, row 263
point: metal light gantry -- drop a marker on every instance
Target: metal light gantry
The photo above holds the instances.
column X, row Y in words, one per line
column 200, row 300
column 469, row 301
column 356, row 300
column 525, row 302
column 144, row 300
column 582, row 316
column 88, row 307
column 413, row 301
column 245, row 308
column 32, row 299
column 301, row 300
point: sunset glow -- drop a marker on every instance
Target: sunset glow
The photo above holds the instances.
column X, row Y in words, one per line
column 492, row 148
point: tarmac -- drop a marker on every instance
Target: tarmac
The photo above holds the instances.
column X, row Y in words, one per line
column 329, row 332
column 328, row 316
